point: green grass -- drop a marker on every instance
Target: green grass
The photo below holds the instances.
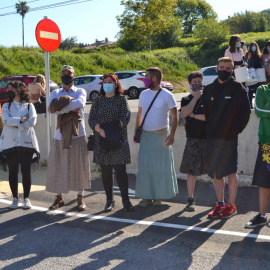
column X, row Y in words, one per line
column 174, row 62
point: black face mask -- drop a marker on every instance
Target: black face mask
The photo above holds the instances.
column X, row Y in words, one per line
column 223, row 75
column 66, row 79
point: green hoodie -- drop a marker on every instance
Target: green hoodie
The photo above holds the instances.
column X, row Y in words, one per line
column 262, row 110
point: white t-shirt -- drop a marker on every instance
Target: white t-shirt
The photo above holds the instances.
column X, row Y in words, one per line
column 158, row 116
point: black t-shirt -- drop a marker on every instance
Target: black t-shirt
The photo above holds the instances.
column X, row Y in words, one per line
column 194, row 128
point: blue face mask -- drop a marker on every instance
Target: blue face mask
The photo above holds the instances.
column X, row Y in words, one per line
column 253, row 48
column 244, row 47
column 238, row 44
column 108, row 88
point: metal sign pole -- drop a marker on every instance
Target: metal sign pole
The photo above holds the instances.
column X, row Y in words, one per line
column 47, row 76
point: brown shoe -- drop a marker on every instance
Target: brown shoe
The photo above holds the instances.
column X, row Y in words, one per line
column 81, row 204
column 59, row 202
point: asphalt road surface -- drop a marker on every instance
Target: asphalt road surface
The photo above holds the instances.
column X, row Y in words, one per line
column 160, row 237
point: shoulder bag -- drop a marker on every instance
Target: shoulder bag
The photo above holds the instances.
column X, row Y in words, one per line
column 138, row 132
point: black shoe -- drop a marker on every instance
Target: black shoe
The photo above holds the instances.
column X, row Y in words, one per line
column 256, row 221
column 128, row 206
column 109, row 205
column 190, row 205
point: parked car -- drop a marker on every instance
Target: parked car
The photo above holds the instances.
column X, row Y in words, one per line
column 27, row 79
column 209, row 74
column 91, row 84
column 132, row 82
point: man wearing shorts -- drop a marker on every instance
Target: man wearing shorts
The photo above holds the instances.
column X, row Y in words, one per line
column 227, row 112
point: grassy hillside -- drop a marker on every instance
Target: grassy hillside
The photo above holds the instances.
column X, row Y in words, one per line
column 174, row 62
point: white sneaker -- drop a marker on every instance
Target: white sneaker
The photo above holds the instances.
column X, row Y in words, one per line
column 14, row 204
column 27, row 204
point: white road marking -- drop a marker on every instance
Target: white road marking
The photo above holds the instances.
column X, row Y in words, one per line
column 49, row 35
column 149, row 223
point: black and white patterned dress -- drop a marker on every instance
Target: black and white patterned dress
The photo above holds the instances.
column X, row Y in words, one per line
column 106, row 109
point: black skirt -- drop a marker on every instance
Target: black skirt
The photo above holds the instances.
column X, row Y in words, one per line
column 261, row 176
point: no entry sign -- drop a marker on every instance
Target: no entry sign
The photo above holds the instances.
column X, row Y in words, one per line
column 48, row 35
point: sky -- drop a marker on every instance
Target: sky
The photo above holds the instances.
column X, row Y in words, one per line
column 90, row 20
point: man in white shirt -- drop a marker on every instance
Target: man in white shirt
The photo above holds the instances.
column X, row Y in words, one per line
column 156, row 178
column 69, row 168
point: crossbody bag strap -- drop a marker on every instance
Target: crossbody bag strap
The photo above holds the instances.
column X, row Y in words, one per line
column 150, row 106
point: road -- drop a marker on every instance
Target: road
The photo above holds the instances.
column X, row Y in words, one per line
column 161, row 237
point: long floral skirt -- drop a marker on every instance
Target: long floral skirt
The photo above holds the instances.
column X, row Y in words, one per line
column 68, row 169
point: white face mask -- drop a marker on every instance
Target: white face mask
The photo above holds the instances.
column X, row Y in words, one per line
column 190, row 90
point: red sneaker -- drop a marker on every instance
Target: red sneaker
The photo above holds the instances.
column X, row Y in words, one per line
column 228, row 211
column 217, row 211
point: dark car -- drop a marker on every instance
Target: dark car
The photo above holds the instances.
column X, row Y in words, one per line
column 27, row 79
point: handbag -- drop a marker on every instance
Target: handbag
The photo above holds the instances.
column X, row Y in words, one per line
column 90, row 143
column 138, row 131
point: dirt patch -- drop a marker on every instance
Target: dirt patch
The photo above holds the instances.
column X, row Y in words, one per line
column 181, row 86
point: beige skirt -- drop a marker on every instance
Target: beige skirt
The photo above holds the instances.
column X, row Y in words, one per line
column 68, row 169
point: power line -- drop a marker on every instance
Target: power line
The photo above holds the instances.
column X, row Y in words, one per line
column 60, row 4
column 15, row 4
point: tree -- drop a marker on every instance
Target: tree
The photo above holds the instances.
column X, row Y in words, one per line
column 142, row 19
column 211, row 32
column 249, row 22
column 22, row 9
column 68, row 43
column 191, row 11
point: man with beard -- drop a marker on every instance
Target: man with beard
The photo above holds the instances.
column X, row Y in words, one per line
column 156, row 178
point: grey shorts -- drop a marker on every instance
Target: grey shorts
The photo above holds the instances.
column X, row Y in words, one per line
column 222, row 157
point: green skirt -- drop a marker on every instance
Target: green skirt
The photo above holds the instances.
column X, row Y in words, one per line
column 156, row 178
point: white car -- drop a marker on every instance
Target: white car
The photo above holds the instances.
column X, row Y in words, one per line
column 91, row 84
column 209, row 74
column 132, row 82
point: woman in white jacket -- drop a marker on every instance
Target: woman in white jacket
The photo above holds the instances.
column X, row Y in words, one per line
column 18, row 142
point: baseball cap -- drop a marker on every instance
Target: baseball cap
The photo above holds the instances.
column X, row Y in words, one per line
column 70, row 68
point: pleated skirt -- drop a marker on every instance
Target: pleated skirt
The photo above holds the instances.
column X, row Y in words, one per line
column 156, row 178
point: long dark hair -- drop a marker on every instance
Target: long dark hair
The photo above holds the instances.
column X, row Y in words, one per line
column 232, row 43
column 118, row 89
column 22, row 90
column 265, row 51
column 257, row 52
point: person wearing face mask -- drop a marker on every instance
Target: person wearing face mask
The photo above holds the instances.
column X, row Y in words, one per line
column 108, row 118
column 266, row 54
column 227, row 112
column 194, row 162
column 254, row 61
column 18, row 142
column 156, row 177
column 68, row 168
column 235, row 52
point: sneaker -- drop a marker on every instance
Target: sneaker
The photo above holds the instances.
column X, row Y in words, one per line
column 190, row 205
column 256, row 221
column 217, row 211
column 156, row 202
column 228, row 211
column 14, row 204
column 144, row 202
column 27, row 204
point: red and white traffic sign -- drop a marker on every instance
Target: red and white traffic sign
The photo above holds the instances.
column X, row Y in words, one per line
column 48, row 35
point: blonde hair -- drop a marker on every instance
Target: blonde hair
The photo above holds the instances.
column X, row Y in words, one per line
column 40, row 79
